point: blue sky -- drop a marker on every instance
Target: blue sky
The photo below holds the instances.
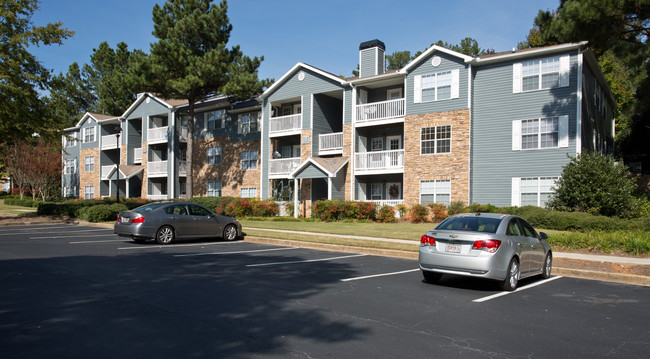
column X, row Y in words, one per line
column 324, row 34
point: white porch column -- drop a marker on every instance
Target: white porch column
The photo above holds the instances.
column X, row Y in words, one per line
column 329, row 188
column 296, row 205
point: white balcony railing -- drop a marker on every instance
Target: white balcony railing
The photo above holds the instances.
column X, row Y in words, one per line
column 158, row 134
column 106, row 170
column 390, row 202
column 330, row 142
column 182, row 168
column 379, row 160
column 157, row 168
column 157, row 197
column 278, row 125
column 109, row 142
column 137, row 155
column 283, row 167
column 377, row 111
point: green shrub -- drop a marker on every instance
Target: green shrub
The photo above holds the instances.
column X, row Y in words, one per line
column 438, row 211
column 386, row 214
column 630, row 241
column 266, row 208
column 26, row 202
column 483, row 208
column 456, row 207
column 337, row 210
column 418, row 213
column 102, row 212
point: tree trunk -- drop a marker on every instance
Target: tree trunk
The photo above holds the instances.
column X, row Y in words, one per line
column 189, row 155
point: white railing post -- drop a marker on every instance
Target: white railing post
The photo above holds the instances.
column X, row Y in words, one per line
column 379, row 160
column 383, row 110
column 330, row 141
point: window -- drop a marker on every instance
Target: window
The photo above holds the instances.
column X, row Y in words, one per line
column 248, row 122
column 537, row 133
column 214, row 155
column 214, row 119
column 436, row 87
column 89, row 192
column 435, row 140
column 539, row 74
column 214, row 189
column 198, row 211
column 249, row 160
column 71, row 139
column 377, row 144
column 532, row 191
column 435, row 191
column 89, row 134
column 248, row 192
column 69, row 167
column 376, row 190
column 89, row 164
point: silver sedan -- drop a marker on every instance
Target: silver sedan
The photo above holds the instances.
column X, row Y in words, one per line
column 494, row 246
column 167, row 221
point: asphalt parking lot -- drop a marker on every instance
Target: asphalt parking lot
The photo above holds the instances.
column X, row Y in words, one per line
column 73, row 291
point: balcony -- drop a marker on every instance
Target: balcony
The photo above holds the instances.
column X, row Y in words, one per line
column 157, row 197
column 157, row 169
column 157, row 135
column 330, row 143
column 281, row 168
column 285, row 125
column 137, row 155
column 378, row 162
column 109, row 142
column 380, row 112
column 390, row 202
column 106, row 170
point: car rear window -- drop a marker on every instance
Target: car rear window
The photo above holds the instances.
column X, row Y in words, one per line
column 473, row 224
column 149, row 207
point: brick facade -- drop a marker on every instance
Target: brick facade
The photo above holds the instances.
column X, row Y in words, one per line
column 89, row 178
column 452, row 166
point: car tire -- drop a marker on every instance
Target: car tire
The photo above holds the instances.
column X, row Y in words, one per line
column 512, row 276
column 139, row 240
column 165, row 235
column 230, row 232
column 431, row 277
column 547, row 266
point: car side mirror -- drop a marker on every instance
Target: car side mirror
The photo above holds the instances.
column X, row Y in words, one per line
column 543, row 236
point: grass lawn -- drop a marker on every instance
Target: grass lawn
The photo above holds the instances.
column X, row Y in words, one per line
column 14, row 210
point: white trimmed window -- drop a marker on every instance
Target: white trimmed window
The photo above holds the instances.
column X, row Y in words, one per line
column 538, row 133
column 435, row 191
column 249, row 160
column 546, row 73
column 214, row 155
column 69, row 167
column 532, row 191
column 89, row 134
column 248, row 122
column 214, row 189
column 250, row 192
column 437, row 86
column 214, row 119
column 376, row 190
column 435, row 140
column 89, row 164
column 89, row 192
column 71, row 139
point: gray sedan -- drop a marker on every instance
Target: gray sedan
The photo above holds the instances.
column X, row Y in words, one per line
column 494, row 246
column 167, row 221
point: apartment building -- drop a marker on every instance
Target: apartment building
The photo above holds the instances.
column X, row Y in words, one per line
column 447, row 127
column 145, row 150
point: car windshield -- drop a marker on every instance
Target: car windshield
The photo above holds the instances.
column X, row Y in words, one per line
column 474, row 224
column 149, row 207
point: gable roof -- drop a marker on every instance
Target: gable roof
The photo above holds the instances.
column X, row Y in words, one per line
column 523, row 53
column 169, row 103
column 431, row 50
column 330, row 166
column 295, row 69
column 95, row 116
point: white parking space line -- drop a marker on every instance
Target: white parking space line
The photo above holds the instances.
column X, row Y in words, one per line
column 92, row 235
column 33, row 230
column 103, row 241
column 490, row 297
column 176, row 245
column 380, row 275
column 235, row 252
column 305, row 261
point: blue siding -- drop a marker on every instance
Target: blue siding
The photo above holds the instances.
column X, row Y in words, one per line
column 494, row 109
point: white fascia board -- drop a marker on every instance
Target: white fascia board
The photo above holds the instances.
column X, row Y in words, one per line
column 433, row 48
column 369, row 79
column 305, row 164
column 139, row 100
column 530, row 53
column 293, row 70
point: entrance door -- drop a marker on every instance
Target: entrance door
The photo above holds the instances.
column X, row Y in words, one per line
column 394, row 190
column 394, row 143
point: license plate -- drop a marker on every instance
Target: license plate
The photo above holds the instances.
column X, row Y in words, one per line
column 452, row 248
column 125, row 219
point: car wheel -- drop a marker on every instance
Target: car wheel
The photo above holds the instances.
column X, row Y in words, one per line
column 548, row 265
column 431, row 277
column 139, row 240
column 230, row 232
column 512, row 276
column 165, row 235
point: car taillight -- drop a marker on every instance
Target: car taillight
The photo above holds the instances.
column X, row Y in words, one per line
column 488, row 245
column 138, row 220
column 118, row 218
column 427, row 241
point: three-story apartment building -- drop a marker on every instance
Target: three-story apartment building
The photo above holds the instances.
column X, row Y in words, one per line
column 447, row 127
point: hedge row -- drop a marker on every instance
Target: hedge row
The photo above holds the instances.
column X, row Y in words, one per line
column 238, row 207
column 338, row 210
column 22, row 202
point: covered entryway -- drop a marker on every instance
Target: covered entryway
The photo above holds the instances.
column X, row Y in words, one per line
column 325, row 178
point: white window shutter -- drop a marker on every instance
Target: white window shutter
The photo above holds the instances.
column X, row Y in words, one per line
column 417, row 89
column 564, row 70
column 516, row 135
column 563, row 131
column 455, row 83
column 516, row 192
column 239, row 124
column 516, row 77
